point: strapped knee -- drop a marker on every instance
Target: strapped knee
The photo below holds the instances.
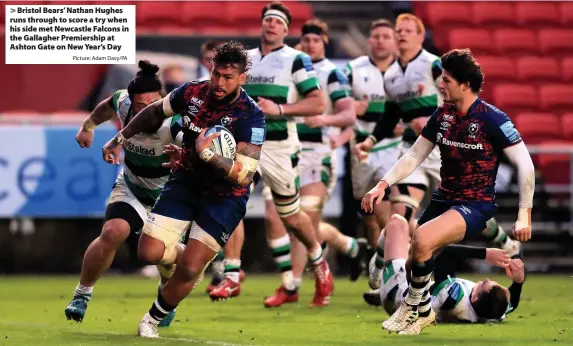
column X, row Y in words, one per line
column 169, row 255
column 311, row 203
column 410, row 203
column 286, row 205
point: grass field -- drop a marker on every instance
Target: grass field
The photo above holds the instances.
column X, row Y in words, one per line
column 32, row 313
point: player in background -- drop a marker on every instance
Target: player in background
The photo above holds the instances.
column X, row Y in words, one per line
column 471, row 135
column 317, row 164
column 205, row 67
column 138, row 184
column 411, row 85
column 453, row 299
column 207, row 192
column 284, row 83
column 367, row 75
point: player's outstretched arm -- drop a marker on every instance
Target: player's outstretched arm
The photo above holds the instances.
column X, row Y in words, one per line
column 239, row 171
column 519, row 156
column 516, row 272
column 384, row 127
column 150, row 117
column 103, row 112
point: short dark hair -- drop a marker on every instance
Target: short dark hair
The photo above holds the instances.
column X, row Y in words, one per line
column 461, row 64
column 209, row 45
column 492, row 304
column 279, row 6
column 381, row 23
column 232, row 53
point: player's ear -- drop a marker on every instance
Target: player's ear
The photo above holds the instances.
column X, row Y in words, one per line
column 243, row 78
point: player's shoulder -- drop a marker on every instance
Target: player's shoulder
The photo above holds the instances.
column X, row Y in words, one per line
column 360, row 62
column 335, row 74
column 194, row 89
column 254, row 52
column 489, row 112
column 248, row 105
column 427, row 57
column 445, row 110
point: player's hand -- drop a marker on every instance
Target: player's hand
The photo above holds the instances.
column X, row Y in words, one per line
column 315, row 121
column 516, row 271
column 335, row 142
column 361, row 107
column 112, row 150
column 374, row 196
column 521, row 231
column 362, row 149
column 202, row 142
column 85, row 138
column 497, row 257
column 174, row 153
column 268, row 107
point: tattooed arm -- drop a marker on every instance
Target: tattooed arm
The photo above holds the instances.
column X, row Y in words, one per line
column 239, row 171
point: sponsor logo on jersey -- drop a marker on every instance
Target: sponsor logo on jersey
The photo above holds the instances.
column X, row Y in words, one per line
column 140, row 149
column 444, row 125
column 448, row 117
column 197, row 101
column 261, row 79
column 375, row 97
column 510, row 131
column 440, row 139
column 408, row 95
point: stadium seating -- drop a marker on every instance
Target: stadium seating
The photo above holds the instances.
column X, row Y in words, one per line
column 537, row 127
column 556, row 97
column 478, row 40
column 536, row 69
column 497, row 68
column 492, row 14
column 566, row 11
column 556, row 41
column 514, row 41
column 567, row 69
column 536, row 14
column 567, row 126
column 555, row 168
column 514, row 98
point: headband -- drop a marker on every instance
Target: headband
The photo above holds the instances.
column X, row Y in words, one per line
column 278, row 15
column 314, row 29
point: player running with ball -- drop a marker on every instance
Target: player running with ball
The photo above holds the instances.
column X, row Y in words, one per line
column 471, row 135
column 137, row 186
column 207, row 191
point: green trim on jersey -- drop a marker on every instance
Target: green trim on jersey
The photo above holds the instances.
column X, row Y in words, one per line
column 376, row 107
column 145, row 196
column 339, row 94
column 417, row 103
column 145, row 160
column 304, row 129
column 115, row 99
column 273, row 92
column 308, row 85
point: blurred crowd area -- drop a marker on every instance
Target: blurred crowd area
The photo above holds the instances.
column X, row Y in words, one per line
column 524, row 48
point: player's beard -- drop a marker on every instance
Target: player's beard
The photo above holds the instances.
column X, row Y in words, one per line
column 225, row 100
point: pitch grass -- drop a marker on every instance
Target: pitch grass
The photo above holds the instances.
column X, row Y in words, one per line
column 32, row 313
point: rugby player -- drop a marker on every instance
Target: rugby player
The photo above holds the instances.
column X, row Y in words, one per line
column 207, row 191
column 411, row 85
column 453, row 299
column 317, row 160
column 138, row 184
column 284, row 83
column 367, row 74
column 471, row 135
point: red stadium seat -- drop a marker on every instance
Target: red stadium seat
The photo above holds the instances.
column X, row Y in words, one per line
column 158, row 13
column 197, row 15
column 556, row 97
column 515, row 41
column 300, row 13
column 555, row 168
column 567, row 69
column 566, row 11
column 512, row 98
column 449, row 14
column 567, row 126
column 556, row 41
column 530, row 14
column 245, row 13
column 478, row 40
column 537, row 69
column 535, row 127
column 497, row 68
column 496, row 14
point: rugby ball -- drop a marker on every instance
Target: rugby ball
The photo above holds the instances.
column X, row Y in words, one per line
column 223, row 145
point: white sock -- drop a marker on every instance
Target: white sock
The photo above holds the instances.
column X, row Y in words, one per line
column 297, row 282
column 315, row 256
column 83, row 291
column 351, row 248
column 147, row 318
column 232, row 269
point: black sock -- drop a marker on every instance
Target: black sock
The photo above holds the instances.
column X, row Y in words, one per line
column 425, row 305
column 160, row 309
column 421, row 275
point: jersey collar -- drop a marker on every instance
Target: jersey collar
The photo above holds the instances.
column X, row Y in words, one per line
column 274, row 50
column 318, row 60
